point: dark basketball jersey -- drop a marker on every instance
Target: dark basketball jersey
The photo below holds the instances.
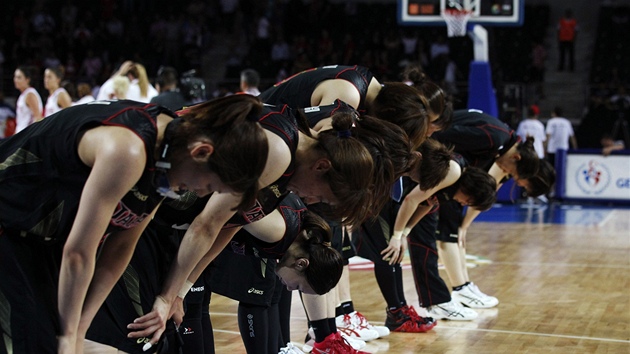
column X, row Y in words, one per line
column 296, row 90
column 256, row 271
column 42, row 176
column 478, row 137
column 281, row 121
column 374, row 235
column 292, row 209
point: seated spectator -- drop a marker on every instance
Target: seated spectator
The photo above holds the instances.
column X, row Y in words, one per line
column 609, row 144
column 84, row 93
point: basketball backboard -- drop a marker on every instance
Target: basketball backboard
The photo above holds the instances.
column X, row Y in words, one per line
column 484, row 12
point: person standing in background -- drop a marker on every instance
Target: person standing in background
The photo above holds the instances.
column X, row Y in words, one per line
column 7, row 118
column 567, row 34
column 29, row 107
column 58, row 97
column 250, row 79
column 169, row 95
column 559, row 134
column 140, row 89
column 531, row 126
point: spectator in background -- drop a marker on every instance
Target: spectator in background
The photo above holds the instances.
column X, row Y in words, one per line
column 531, row 126
column 167, row 85
column 567, row 34
column 58, row 97
column 140, row 89
column 29, row 107
column 559, row 134
column 537, row 68
column 91, row 66
column 84, row 93
column 71, row 88
column 120, row 85
column 609, row 144
column 250, row 80
column 280, row 50
column 7, row 118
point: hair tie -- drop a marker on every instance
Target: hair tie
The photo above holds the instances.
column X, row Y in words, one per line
column 327, row 244
column 344, row 133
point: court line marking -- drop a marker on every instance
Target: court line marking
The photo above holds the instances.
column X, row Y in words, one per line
column 607, row 218
column 574, row 265
column 441, row 326
column 536, row 334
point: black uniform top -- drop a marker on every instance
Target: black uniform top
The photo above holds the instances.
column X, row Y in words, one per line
column 172, row 99
column 296, row 90
column 292, row 209
column 42, row 176
column 442, row 195
column 446, row 194
column 478, row 137
column 279, row 120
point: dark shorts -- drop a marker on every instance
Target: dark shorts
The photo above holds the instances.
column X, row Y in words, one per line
column 449, row 220
column 29, row 276
column 373, row 235
column 341, row 243
column 246, row 279
column 134, row 294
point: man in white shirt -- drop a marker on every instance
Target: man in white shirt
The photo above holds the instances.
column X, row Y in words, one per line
column 531, row 126
column 559, row 134
column 250, row 79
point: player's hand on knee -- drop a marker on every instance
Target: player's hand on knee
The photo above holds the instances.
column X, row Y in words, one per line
column 461, row 237
column 177, row 311
column 153, row 323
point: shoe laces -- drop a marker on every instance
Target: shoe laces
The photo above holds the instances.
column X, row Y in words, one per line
column 337, row 345
column 360, row 321
column 347, row 320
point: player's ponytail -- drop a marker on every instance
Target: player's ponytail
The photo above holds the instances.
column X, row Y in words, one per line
column 325, row 263
column 391, row 152
column 350, row 170
column 528, row 165
column 542, row 182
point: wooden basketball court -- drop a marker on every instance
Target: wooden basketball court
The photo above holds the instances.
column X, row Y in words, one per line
column 561, row 273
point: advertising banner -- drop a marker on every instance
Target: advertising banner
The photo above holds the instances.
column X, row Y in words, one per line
column 597, row 177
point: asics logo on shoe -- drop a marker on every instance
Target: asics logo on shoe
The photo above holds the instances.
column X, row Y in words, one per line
column 255, row 291
column 473, row 300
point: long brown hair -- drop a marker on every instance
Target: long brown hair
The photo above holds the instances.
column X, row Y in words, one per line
column 434, row 165
column 351, row 169
column 409, row 106
column 240, row 144
column 391, row 152
column 325, row 263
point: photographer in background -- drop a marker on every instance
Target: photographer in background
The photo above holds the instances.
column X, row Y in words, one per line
column 167, row 85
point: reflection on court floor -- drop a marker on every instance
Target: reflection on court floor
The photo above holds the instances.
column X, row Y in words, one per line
column 551, row 213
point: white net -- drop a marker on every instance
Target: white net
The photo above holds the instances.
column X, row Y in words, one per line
column 456, row 21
